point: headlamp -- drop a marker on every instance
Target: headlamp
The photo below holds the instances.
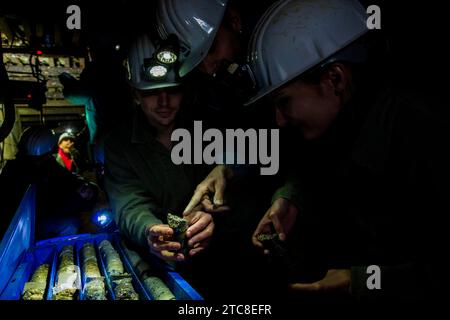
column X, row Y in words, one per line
column 168, row 50
column 166, row 56
column 157, row 71
column 164, row 59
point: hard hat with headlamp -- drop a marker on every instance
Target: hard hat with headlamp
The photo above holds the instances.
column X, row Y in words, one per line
column 66, row 136
column 194, row 22
column 295, row 36
column 153, row 66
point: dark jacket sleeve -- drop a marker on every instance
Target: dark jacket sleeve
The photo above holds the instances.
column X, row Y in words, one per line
column 134, row 208
column 290, row 190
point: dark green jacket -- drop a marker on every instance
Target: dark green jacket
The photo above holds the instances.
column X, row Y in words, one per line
column 141, row 181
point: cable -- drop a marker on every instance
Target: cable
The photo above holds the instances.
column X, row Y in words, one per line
column 2, row 144
column 35, row 70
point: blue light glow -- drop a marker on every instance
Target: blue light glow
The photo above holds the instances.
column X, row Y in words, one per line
column 102, row 218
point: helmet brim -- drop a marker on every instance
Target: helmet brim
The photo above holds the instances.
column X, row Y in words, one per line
column 144, row 85
column 261, row 94
column 196, row 57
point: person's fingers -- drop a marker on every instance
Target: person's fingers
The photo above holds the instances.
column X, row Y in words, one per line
column 273, row 216
column 165, row 245
column 203, row 235
column 259, row 245
column 306, row 287
column 263, row 227
column 161, row 230
column 207, row 204
column 219, row 190
column 336, row 280
column 199, row 192
column 193, row 217
column 255, row 240
column 195, row 251
column 198, row 223
column 198, row 247
column 221, row 209
column 170, row 256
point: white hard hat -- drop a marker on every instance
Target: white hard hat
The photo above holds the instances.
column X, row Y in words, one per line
column 37, row 141
column 66, row 136
column 295, row 35
column 141, row 60
column 194, row 22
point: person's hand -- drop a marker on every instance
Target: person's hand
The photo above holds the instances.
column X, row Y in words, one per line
column 336, row 280
column 200, row 230
column 214, row 184
column 281, row 217
column 159, row 240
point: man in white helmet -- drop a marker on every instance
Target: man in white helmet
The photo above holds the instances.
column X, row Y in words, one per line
column 370, row 184
column 67, row 155
column 142, row 182
column 213, row 37
column 208, row 31
column 61, row 195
